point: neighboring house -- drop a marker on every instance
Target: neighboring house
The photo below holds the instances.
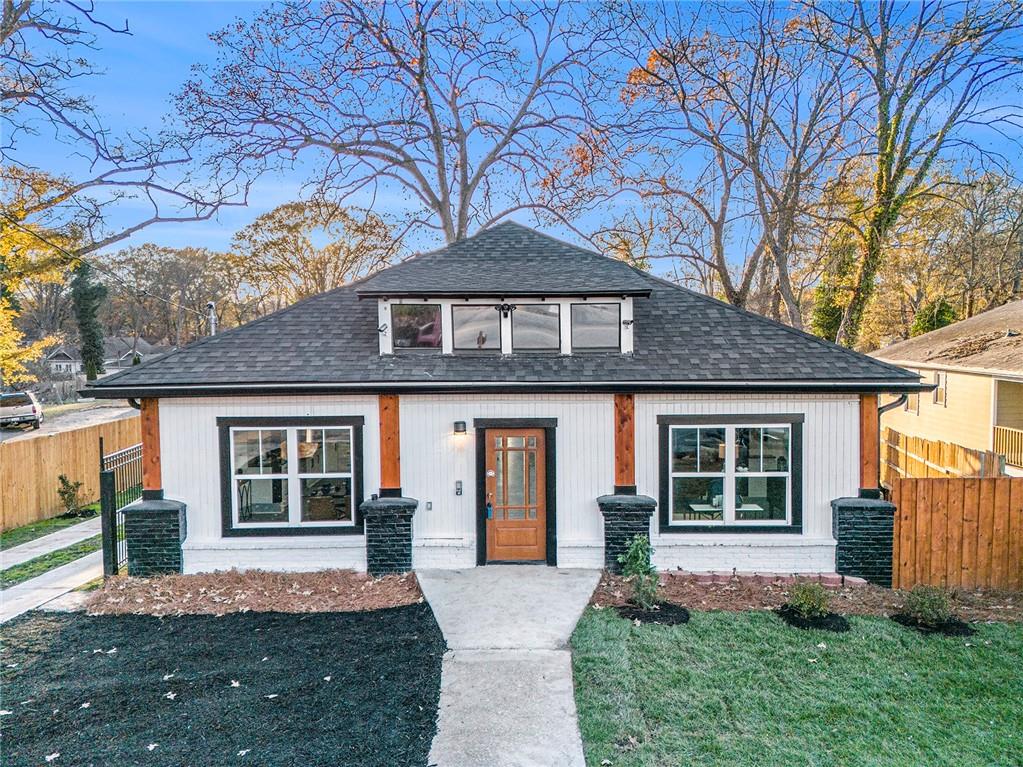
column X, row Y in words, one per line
column 118, row 352
column 977, row 367
column 64, row 360
column 505, row 382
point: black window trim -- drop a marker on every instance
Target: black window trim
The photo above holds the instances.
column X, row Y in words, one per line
column 588, row 349
column 496, row 308
column 224, row 426
column 536, row 350
column 664, row 424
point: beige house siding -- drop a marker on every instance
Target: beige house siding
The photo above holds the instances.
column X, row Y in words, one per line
column 964, row 419
column 1010, row 405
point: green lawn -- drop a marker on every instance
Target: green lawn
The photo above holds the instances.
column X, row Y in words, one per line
column 26, row 533
column 742, row 689
column 12, row 576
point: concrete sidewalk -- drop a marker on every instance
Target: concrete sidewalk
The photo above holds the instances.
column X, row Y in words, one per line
column 46, row 544
column 506, row 688
column 49, row 586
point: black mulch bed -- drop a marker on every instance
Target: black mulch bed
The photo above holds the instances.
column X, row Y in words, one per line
column 830, row 622
column 953, row 627
column 664, row 613
column 246, row 689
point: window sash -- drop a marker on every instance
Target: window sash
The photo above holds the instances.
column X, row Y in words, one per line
column 729, row 477
column 438, row 329
column 456, row 309
column 521, row 310
column 617, row 325
column 294, row 477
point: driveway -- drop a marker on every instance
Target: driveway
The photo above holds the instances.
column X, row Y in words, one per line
column 506, row 685
column 101, row 411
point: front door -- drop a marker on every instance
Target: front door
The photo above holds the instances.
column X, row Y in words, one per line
column 516, row 494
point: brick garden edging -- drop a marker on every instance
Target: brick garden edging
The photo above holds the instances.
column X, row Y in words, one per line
column 153, row 532
column 625, row 517
column 388, row 523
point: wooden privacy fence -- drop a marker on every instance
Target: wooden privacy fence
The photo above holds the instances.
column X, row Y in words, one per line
column 29, row 468
column 905, row 456
column 964, row 532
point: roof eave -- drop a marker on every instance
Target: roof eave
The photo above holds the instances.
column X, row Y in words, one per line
column 504, row 387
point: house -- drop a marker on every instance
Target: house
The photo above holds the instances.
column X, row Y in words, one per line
column 976, row 366
column 118, row 352
column 488, row 394
column 64, row 360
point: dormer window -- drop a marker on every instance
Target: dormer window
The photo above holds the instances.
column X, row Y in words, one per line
column 417, row 326
column 505, row 324
column 476, row 328
column 596, row 327
column 536, row 327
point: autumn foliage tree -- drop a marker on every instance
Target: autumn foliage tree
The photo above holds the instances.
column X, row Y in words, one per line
column 303, row 248
column 461, row 109
column 932, row 70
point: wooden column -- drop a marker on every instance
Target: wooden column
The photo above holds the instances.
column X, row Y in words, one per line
column 870, row 443
column 152, row 479
column 390, row 446
column 625, row 444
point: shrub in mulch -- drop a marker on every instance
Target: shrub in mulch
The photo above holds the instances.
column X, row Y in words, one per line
column 644, row 580
column 809, row 608
column 827, row 622
column 358, row 689
column 928, row 609
column 952, row 627
column 662, row 613
column 253, row 590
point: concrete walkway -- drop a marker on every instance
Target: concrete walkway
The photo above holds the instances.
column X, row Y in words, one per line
column 506, row 695
column 42, row 589
column 46, row 544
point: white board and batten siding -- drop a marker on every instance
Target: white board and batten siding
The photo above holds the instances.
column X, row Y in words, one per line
column 830, row 470
column 190, row 460
column 434, row 458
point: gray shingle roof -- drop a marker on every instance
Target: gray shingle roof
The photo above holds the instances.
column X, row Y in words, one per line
column 992, row 340
column 682, row 340
column 508, row 258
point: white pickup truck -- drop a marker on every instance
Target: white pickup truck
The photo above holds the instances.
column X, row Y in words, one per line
column 20, row 408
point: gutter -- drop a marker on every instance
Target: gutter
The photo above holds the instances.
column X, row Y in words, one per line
column 504, row 387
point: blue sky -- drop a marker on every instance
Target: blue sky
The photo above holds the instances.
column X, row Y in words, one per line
column 141, row 72
column 144, row 69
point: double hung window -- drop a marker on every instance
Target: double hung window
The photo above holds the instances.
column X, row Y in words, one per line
column 282, row 478
column 731, row 473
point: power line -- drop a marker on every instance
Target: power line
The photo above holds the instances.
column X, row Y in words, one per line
column 102, row 269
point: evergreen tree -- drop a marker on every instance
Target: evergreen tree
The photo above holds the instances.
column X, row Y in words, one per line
column 87, row 295
column 931, row 316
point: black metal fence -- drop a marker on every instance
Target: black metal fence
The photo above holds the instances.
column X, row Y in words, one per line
column 120, row 483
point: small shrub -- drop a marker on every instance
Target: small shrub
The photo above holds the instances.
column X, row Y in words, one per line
column 636, row 567
column 810, row 600
column 929, row 605
column 70, row 497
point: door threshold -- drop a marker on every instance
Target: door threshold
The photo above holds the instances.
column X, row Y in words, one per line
column 516, row 562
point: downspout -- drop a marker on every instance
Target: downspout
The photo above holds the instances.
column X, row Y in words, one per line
column 134, row 403
column 881, row 410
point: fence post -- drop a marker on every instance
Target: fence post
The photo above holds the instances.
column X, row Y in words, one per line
column 108, row 509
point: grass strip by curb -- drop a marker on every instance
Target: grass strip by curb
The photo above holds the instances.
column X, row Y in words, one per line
column 30, row 532
column 12, row 576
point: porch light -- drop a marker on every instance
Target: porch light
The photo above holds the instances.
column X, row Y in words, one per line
column 459, row 427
